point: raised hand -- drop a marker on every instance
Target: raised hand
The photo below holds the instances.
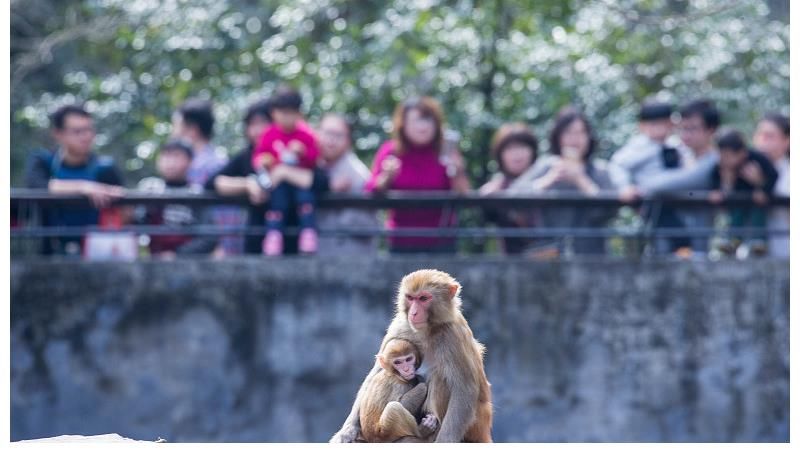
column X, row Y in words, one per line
column 297, row 147
column 753, row 174
column 391, row 167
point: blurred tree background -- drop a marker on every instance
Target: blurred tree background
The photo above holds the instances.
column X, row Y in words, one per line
column 133, row 61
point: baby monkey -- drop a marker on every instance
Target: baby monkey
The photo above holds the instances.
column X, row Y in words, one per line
column 394, row 398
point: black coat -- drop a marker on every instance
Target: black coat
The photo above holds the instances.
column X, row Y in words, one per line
column 742, row 185
column 241, row 166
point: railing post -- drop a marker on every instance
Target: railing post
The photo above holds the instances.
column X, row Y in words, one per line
column 653, row 213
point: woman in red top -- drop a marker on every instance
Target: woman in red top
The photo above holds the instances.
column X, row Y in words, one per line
column 416, row 160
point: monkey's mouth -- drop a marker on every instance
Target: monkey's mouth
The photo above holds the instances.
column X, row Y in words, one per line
column 409, row 375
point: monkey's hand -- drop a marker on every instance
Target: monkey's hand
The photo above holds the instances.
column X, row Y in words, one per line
column 346, row 435
column 428, row 425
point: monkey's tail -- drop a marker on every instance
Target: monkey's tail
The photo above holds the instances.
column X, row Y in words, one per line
column 397, row 422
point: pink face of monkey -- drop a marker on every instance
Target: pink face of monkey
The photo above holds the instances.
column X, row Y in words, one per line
column 405, row 366
column 418, row 308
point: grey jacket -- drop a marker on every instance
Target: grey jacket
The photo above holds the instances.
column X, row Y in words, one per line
column 694, row 177
column 640, row 159
column 601, row 173
column 350, row 167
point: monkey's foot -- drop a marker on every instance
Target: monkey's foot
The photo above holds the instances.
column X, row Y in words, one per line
column 345, row 435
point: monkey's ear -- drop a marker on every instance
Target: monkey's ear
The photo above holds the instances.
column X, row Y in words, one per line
column 454, row 289
column 382, row 361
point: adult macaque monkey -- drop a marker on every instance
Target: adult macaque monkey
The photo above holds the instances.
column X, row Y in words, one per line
column 429, row 315
column 394, row 396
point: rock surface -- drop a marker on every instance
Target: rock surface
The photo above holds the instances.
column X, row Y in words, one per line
column 77, row 439
column 274, row 351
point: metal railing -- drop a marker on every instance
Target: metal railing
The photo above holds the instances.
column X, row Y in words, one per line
column 408, row 199
column 29, row 204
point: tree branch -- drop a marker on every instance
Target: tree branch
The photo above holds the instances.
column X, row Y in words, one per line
column 41, row 50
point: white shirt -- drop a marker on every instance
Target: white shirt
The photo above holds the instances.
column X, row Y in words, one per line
column 779, row 216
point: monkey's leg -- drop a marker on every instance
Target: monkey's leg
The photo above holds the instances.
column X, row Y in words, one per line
column 460, row 411
column 481, row 429
column 413, row 399
column 397, row 422
column 411, row 440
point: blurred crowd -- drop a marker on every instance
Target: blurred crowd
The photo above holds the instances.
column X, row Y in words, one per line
column 289, row 163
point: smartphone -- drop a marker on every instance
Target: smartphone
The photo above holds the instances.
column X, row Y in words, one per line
column 450, row 145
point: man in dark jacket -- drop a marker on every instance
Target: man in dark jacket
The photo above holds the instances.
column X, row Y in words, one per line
column 73, row 169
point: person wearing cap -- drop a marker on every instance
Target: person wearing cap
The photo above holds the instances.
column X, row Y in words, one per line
column 172, row 164
column 698, row 126
column 647, row 154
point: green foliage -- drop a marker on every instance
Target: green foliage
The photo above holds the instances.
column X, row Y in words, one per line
column 487, row 62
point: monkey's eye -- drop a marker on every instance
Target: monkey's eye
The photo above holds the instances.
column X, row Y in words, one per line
column 408, row 359
column 423, row 298
column 409, row 297
column 397, row 362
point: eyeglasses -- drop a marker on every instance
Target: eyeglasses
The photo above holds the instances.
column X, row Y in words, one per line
column 691, row 128
column 337, row 135
column 79, row 131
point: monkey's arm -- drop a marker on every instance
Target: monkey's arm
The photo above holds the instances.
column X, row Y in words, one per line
column 460, row 408
column 352, row 425
column 413, row 399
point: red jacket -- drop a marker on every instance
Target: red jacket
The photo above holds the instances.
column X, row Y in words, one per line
column 274, row 133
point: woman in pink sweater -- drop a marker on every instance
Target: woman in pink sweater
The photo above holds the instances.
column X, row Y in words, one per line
column 416, row 160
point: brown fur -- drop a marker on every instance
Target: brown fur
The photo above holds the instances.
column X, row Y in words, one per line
column 388, row 406
column 459, row 393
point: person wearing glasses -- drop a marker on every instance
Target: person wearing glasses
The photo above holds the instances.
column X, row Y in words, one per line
column 348, row 174
column 73, row 168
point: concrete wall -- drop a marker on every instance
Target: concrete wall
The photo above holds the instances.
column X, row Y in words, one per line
column 256, row 350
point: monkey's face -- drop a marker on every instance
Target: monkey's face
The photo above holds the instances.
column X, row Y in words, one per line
column 419, row 305
column 405, row 366
column 428, row 298
column 400, row 357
